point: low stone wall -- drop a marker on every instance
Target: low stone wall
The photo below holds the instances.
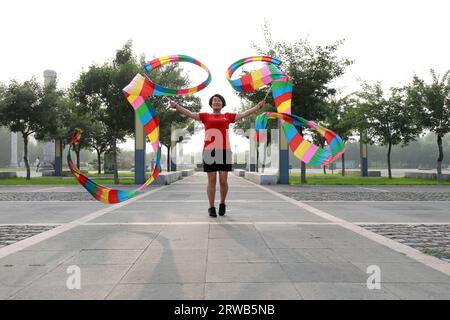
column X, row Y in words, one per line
column 261, row 178
column 187, row 172
column 167, row 177
column 426, row 175
column 374, row 173
column 8, row 175
column 239, row 172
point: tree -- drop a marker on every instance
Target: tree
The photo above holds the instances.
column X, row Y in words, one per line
column 22, row 110
column 433, row 101
column 313, row 69
column 244, row 126
column 341, row 121
column 171, row 76
column 98, row 140
column 99, row 91
column 390, row 120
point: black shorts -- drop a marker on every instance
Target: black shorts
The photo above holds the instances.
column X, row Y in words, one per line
column 217, row 160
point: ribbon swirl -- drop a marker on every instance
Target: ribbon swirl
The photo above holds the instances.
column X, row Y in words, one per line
column 281, row 85
column 137, row 93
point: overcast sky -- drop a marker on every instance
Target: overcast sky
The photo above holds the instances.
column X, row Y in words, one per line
column 389, row 40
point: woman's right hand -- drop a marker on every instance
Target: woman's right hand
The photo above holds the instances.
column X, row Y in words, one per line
column 173, row 104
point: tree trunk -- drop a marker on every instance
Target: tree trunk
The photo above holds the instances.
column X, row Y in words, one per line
column 99, row 162
column 343, row 164
column 116, row 172
column 25, row 155
column 257, row 156
column 264, row 157
column 389, row 160
column 303, row 173
column 168, row 158
column 77, row 153
column 303, row 166
column 440, row 158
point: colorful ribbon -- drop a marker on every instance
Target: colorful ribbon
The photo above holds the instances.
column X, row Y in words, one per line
column 281, row 84
column 139, row 89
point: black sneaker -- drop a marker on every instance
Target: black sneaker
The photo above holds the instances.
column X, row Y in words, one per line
column 222, row 209
column 212, row 212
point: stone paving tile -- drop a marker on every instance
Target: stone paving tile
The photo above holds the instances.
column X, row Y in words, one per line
column 100, row 275
column 308, row 255
column 7, row 292
column 421, row 237
column 254, row 291
column 34, row 259
column 240, row 255
column 245, row 272
column 165, row 272
column 324, row 272
column 226, row 231
column 342, row 291
column 20, row 276
column 61, row 292
column 104, row 257
column 46, row 196
column 368, row 196
column 67, row 193
column 156, row 291
column 406, row 272
column 419, row 291
column 10, row 234
column 177, row 256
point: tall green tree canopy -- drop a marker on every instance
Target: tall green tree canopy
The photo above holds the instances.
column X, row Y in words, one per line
column 389, row 119
column 313, row 69
column 172, row 76
column 98, row 91
column 23, row 109
column 433, row 101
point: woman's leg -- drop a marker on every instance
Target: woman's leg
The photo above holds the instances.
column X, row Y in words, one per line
column 223, row 181
column 211, row 188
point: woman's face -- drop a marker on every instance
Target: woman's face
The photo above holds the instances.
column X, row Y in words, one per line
column 216, row 104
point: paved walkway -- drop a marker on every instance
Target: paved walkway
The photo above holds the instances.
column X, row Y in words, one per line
column 163, row 245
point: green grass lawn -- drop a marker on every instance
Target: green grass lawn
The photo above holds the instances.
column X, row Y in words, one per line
column 437, row 253
column 338, row 179
column 103, row 175
column 312, row 179
column 57, row 181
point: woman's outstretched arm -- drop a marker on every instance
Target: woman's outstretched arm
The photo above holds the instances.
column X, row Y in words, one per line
column 251, row 111
column 186, row 112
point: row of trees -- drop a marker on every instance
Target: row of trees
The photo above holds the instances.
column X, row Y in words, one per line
column 390, row 117
column 95, row 103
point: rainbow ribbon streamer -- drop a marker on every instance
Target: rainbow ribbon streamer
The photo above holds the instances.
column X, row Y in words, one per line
column 137, row 93
column 281, row 84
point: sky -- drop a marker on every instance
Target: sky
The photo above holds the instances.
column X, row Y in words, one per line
column 389, row 41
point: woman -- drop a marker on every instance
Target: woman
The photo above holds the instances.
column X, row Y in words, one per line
column 216, row 149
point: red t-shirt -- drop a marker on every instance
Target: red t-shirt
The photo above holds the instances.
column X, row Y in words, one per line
column 216, row 129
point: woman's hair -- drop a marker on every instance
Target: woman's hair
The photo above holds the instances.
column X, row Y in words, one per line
column 218, row 96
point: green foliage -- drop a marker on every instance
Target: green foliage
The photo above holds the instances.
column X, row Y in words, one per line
column 313, row 69
column 388, row 119
column 433, row 101
column 98, row 95
column 24, row 109
column 171, row 76
column 21, row 107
